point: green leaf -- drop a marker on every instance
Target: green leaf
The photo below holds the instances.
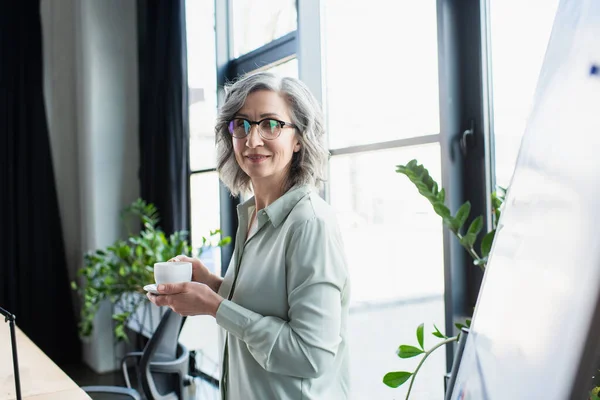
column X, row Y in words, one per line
column 429, row 196
column 120, row 332
column 395, row 379
column 442, row 195
column 459, row 326
column 121, row 317
column 468, row 240
column 468, row 322
column 405, row 351
column 423, row 189
column 225, row 241
column 124, row 251
column 496, row 202
column 476, row 226
column 486, row 243
column 462, row 214
column 410, row 175
column 441, row 210
column 420, row 335
column 450, row 223
column 438, row 334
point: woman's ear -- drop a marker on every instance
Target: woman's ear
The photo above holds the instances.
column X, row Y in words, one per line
column 297, row 147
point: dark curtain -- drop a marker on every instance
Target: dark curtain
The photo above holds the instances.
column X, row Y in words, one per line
column 33, row 271
column 164, row 132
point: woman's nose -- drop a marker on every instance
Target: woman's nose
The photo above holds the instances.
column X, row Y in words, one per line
column 254, row 139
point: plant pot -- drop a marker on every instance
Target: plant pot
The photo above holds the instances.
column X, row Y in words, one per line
column 101, row 352
column 146, row 317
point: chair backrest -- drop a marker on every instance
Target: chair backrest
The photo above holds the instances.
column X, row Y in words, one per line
column 164, row 362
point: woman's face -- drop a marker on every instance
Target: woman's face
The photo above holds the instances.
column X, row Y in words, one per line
column 265, row 161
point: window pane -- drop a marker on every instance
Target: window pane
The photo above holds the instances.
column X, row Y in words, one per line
column 382, row 75
column 200, row 20
column 256, row 23
column 518, row 50
column 288, row 68
column 204, row 190
column 393, row 242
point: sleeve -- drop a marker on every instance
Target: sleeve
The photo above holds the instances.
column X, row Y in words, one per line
column 305, row 345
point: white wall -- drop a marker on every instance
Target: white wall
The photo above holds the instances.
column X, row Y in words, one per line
column 107, row 90
column 58, row 32
column 91, row 91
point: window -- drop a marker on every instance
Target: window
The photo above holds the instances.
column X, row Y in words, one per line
column 204, row 182
column 518, row 49
column 256, row 23
column 204, row 189
column 389, row 229
column 380, row 75
column 383, row 110
column 376, row 120
column 382, row 79
column 287, row 68
column 202, row 83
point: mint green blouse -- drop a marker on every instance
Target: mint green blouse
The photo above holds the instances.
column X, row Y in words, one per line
column 286, row 324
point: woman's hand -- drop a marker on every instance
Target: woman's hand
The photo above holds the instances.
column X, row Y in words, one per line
column 187, row 298
column 200, row 273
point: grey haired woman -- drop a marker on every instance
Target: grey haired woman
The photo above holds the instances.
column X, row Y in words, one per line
column 283, row 303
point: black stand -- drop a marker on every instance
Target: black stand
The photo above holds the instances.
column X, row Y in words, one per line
column 195, row 372
column 13, row 338
column 450, row 379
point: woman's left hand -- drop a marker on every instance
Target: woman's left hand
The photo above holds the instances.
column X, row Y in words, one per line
column 187, row 298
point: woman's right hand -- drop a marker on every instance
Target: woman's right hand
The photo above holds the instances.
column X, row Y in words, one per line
column 200, row 273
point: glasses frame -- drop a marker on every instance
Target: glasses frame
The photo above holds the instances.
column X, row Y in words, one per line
column 282, row 125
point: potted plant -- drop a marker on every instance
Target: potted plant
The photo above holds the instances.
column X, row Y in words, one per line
column 118, row 273
column 467, row 237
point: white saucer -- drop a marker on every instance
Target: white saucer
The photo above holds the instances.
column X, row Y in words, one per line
column 151, row 288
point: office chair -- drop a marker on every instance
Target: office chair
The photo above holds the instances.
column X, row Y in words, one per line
column 161, row 370
column 111, row 393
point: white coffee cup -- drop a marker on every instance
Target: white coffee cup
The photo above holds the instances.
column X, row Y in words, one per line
column 172, row 272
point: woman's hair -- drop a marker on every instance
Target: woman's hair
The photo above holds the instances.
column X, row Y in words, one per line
column 307, row 165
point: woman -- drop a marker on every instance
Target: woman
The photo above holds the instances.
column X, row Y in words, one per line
column 283, row 304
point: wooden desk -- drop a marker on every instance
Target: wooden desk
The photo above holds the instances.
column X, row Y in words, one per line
column 41, row 379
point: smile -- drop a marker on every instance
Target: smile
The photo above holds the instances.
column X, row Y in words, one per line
column 257, row 158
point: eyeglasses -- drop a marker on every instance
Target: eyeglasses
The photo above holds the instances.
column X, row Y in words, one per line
column 268, row 128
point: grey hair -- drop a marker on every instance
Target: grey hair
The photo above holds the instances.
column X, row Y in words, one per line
column 308, row 164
